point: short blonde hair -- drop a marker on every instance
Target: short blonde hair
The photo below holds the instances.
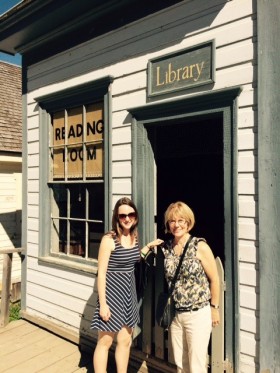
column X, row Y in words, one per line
column 179, row 210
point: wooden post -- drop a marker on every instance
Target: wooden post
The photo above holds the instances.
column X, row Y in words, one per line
column 217, row 340
column 6, row 286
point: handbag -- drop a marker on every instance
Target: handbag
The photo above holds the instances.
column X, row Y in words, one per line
column 165, row 310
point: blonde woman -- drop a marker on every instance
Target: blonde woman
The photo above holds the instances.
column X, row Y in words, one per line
column 196, row 292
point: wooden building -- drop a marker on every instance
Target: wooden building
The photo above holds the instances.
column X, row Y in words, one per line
column 10, row 167
column 160, row 101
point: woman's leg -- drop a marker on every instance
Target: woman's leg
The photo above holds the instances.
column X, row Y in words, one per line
column 179, row 346
column 123, row 349
column 197, row 327
column 100, row 357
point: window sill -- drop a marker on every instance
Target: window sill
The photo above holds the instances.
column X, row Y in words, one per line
column 62, row 263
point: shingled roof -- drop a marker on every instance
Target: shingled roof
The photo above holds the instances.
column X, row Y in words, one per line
column 10, row 108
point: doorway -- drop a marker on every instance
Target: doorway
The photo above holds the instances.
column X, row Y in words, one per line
column 189, row 167
column 185, row 149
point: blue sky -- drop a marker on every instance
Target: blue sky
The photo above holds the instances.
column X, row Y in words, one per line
column 4, row 6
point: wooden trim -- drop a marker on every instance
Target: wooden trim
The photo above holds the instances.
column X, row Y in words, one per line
column 6, row 285
column 11, row 250
column 268, row 180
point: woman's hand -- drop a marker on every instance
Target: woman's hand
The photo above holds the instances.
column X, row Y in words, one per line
column 154, row 243
column 146, row 249
column 215, row 314
column 105, row 312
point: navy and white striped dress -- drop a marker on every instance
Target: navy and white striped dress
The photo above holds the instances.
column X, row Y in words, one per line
column 121, row 294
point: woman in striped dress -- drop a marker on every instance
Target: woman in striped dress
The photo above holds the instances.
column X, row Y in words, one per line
column 117, row 309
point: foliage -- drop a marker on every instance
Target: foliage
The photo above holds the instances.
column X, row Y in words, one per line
column 14, row 311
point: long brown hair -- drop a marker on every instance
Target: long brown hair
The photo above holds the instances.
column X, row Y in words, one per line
column 116, row 227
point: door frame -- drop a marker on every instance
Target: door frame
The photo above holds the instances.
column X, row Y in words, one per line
column 222, row 101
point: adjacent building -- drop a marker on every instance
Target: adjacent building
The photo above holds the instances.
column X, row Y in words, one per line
column 10, row 168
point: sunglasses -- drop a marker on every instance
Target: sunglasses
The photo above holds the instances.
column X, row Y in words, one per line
column 131, row 215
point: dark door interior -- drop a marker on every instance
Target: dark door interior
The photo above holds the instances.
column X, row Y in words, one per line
column 189, row 165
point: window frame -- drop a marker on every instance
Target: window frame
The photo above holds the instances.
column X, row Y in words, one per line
column 98, row 90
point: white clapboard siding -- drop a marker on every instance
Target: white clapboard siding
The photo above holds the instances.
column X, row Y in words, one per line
column 48, row 310
column 248, row 320
column 247, row 139
column 246, row 118
column 32, row 211
column 246, row 184
column 32, row 237
column 33, row 144
column 121, row 152
column 122, row 186
column 121, row 169
column 33, row 137
column 124, row 54
column 247, row 343
column 246, row 161
column 33, row 198
column 120, row 119
column 246, row 98
column 79, row 278
column 247, row 206
column 248, row 274
column 33, row 186
column 64, row 286
column 247, row 228
column 57, row 298
column 247, row 251
column 248, row 297
column 33, row 173
column 32, row 122
column 121, row 135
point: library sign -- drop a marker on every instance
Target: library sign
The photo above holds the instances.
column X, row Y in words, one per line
column 183, row 69
column 81, row 145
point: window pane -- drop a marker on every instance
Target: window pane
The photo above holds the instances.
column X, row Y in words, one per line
column 59, row 236
column 94, row 140
column 94, row 161
column 75, row 162
column 96, row 231
column 58, row 141
column 75, row 126
column 77, row 238
column 59, row 205
column 63, row 236
column 96, row 201
column 77, row 201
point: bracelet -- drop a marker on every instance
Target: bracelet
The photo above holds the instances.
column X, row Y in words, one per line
column 143, row 255
column 214, row 306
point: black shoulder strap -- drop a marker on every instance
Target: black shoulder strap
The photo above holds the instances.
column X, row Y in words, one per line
column 179, row 266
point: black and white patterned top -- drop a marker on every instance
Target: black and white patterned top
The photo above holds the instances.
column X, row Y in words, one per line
column 192, row 289
column 120, row 290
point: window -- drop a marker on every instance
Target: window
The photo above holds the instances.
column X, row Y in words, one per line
column 77, row 174
column 76, row 180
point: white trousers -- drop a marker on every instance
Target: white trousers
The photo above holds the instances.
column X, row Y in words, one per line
column 190, row 335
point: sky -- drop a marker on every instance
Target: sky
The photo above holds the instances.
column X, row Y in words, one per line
column 4, row 6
